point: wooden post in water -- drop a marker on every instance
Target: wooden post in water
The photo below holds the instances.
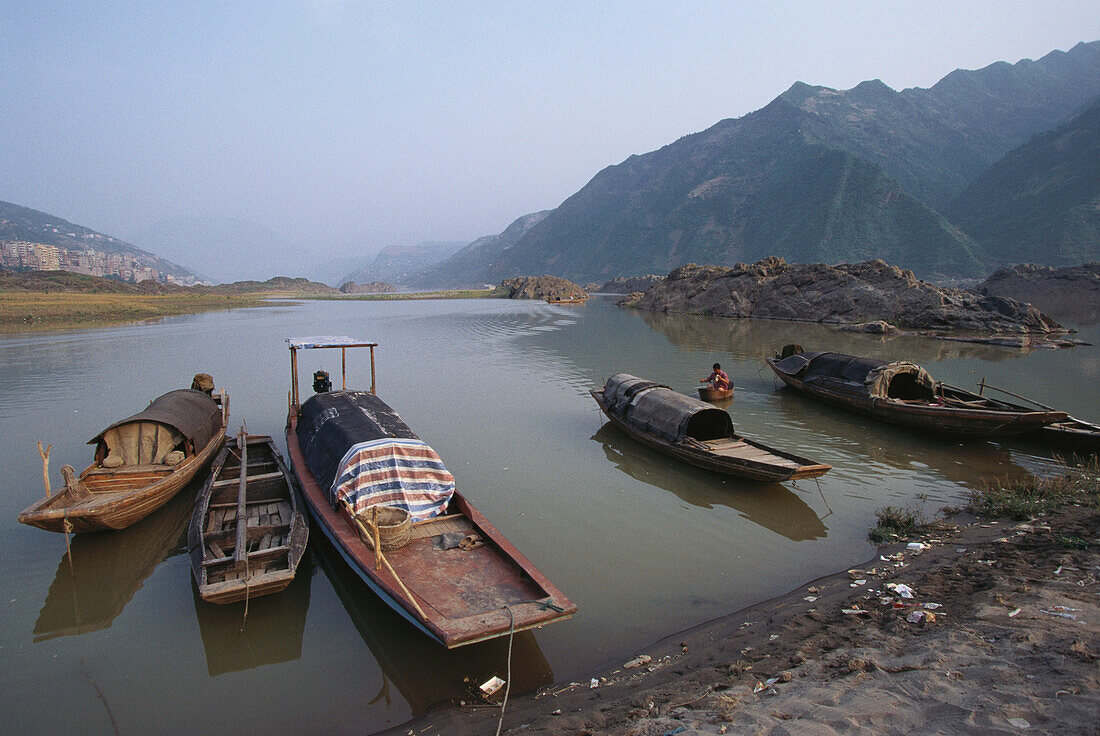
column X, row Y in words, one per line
column 372, row 369
column 294, row 378
column 45, row 465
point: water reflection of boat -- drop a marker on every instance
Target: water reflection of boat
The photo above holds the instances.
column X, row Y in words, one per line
column 422, row 672
column 771, row 506
column 271, row 633
column 100, row 573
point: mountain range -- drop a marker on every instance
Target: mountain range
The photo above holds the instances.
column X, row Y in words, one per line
column 823, row 175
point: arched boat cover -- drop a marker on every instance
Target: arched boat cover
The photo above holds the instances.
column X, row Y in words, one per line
column 659, row 410
column 362, row 453
column 875, row 375
column 192, row 414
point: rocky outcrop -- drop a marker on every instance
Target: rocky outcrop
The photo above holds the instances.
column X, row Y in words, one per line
column 541, row 287
column 374, row 287
column 630, row 284
column 849, row 294
column 1070, row 291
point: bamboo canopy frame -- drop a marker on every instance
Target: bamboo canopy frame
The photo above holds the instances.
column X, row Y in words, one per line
column 343, row 343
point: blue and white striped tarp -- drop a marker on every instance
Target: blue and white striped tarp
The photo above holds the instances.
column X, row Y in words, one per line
column 393, row 472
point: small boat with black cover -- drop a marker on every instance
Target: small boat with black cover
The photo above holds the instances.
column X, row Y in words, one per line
column 903, row 393
column 694, row 431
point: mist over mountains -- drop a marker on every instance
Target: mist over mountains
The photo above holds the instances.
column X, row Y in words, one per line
column 985, row 168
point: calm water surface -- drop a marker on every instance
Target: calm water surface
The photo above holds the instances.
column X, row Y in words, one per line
column 114, row 635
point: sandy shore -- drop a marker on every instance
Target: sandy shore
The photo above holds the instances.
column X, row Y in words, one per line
column 1000, row 636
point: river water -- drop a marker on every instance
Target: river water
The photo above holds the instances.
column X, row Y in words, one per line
column 112, row 636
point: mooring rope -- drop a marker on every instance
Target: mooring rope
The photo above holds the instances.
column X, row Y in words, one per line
column 508, row 673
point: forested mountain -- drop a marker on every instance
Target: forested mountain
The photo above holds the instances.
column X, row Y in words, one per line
column 817, row 175
column 1041, row 202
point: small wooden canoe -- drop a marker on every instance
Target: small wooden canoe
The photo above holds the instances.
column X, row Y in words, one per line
column 706, row 393
column 905, row 394
column 232, row 561
column 132, row 475
column 566, row 299
column 480, row 588
column 695, row 432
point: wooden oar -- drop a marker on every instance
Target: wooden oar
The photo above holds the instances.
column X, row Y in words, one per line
column 45, row 465
column 378, row 554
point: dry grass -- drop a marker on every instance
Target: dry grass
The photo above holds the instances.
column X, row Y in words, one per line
column 34, row 310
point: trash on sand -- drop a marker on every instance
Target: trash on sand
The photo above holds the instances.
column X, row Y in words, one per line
column 810, row 598
column 901, row 589
column 853, row 611
column 985, row 562
column 773, row 637
column 1059, row 570
column 1060, row 614
column 593, row 683
column 855, row 574
column 813, row 589
column 915, row 546
column 1013, row 614
column 638, row 662
column 914, row 617
column 765, row 685
column 933, row 606
column 857, row 583
column 491, row 685
column 1019, row 723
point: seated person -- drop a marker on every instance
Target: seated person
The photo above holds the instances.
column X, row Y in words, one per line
column 717, row 379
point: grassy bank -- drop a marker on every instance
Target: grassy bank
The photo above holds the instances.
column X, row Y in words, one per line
column 36, row 310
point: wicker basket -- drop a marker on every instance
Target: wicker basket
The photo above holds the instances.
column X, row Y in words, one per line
column 394, row 525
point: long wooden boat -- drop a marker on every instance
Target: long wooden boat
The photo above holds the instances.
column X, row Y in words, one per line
column 232, row 561
column 707, row 393
column 905, row 394
column 479, row 588
column 566, row 299
column 132, row 474
column 1073, row 434
column 695, row 432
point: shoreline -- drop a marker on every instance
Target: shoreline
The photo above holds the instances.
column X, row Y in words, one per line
column 970, row 663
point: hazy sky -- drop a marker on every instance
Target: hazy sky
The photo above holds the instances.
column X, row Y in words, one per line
column 348, row 126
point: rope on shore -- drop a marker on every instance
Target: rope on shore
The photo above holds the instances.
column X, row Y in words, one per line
column 508, row 673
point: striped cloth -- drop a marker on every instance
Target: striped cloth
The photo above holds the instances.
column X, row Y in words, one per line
column 394, row 472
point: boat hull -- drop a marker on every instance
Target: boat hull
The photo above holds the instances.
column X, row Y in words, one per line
column 707, row 393
column 754, row 465
column 103, row 511
column 271, row 499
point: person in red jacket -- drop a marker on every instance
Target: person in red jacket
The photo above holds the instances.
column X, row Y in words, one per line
column 717, row 379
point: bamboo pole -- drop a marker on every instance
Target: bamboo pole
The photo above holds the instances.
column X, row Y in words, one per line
column 45, row 465
column 389, row 567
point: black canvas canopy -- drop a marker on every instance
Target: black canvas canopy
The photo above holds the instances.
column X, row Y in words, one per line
column 668, row 414
column 191, row 413
column 329, row 424
column 882, row 379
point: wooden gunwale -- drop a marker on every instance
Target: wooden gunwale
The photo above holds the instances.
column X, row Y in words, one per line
column 759, row 463
column 449, row 630
column 707, row 393
column 960, row 421
column 251, row 581
column 121, row 507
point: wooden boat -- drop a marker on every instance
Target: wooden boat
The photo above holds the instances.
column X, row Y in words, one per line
column 1072, row 434
column 480, row 589
column 233, row 561
column 695, row 432
column 707, row 393
column 566, row 299
column 131, row 476
column 904, row 393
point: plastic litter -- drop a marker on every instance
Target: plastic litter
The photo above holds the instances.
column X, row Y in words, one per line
column 853, row 611
column 915, row 546
column 857, row 583
column 901, row 589
column 933, row 606
column 593, row 683
column 1019, row 723
column 1060, row 614
column 760, row 686
column 810, row 598
column 1015, row 613
column 914, row 617
column 491, row 685
column 639, row 661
